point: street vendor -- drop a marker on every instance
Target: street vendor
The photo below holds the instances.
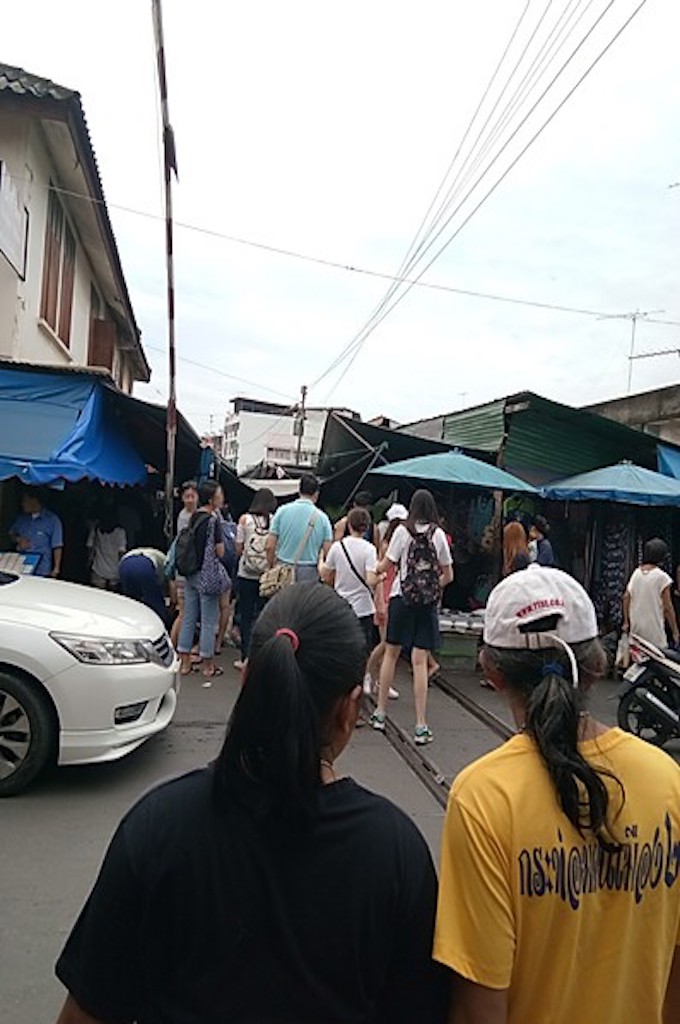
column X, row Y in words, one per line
column 38, row 531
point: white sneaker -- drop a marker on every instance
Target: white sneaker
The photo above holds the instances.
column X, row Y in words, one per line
column 368, row 684
column 393, row 694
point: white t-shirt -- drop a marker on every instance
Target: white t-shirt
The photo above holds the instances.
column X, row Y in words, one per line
column 646, row 604
column 107, row 549
column 399, row 547
column 364, row 556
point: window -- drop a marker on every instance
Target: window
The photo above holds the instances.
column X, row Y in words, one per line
column 56, row 303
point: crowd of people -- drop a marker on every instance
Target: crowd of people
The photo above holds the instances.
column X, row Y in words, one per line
column 267, row 887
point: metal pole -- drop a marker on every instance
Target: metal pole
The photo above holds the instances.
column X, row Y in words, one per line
column 169, row 165
column 301, row 423
column 634, row 319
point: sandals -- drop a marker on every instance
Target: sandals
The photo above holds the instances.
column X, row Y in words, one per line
column 217, row 671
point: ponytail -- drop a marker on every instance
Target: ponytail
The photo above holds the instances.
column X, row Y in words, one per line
column 307, row 652
column 554, row 708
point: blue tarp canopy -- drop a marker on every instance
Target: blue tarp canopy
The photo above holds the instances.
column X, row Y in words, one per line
column 57, row 428
column 455, row 468
column 668, row 460
column 625, row 483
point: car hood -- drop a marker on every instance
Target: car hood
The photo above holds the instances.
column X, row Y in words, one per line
column 69, row 608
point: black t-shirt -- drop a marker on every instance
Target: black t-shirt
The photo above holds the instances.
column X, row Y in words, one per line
column 200, row 916
column 202, row 518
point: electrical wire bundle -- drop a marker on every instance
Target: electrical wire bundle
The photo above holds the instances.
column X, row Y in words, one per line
column 530, row 84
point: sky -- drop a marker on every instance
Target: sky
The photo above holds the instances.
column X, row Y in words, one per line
column 325, row 129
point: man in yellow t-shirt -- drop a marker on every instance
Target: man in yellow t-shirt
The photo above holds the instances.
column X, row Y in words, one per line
column 559, row 899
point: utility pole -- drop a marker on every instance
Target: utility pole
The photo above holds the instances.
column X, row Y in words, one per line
column 299, row 424
column 169, row 165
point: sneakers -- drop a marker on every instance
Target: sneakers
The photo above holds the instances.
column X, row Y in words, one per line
column 422, row 735
column 377, row 721
column 393, row 694
column 368, row 684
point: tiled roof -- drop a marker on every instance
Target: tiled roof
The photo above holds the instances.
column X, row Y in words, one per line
column 21, row 83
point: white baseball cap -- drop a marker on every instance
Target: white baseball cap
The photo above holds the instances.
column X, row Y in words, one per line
column 533, row 594
column 396, row 511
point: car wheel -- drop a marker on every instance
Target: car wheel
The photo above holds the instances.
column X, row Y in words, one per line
column 28, row 733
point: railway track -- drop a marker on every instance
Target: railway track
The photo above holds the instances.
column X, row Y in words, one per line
column 417, row 759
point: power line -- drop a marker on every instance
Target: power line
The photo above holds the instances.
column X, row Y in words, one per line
column 349, row 267
column 221, row 373
column 361, row 340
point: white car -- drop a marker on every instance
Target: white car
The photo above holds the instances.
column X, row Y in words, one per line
column 85, row 676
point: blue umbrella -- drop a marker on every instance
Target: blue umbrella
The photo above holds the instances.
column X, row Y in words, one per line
column 455, row 468
column 626, row 483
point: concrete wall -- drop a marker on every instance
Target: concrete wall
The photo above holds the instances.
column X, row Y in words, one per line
column 24, row 336
column 655, row 412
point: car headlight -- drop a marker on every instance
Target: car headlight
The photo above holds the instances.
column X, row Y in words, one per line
column 103, row 651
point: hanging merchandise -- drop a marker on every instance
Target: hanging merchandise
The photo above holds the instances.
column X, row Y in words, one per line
column 610, row 586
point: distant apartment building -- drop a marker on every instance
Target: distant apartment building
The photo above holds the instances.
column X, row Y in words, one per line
column 63, row 296
column 258, row 432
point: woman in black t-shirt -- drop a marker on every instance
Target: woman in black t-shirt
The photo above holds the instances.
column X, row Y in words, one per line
column 266, row 888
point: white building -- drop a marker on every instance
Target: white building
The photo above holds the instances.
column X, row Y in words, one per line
column 63, row 297
column 257, row 432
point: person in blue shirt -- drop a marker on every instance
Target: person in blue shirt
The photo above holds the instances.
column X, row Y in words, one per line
column 299, row 532
column 37, row 531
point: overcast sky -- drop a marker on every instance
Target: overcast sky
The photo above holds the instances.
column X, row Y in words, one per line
column 325, row 128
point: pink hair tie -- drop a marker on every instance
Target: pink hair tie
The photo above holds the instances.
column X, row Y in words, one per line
column 292, row 636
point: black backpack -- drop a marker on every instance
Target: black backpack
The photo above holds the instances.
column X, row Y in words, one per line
column 420, row 585
column 187, row 561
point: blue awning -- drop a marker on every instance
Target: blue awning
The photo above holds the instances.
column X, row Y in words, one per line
column 57, row 428
column 624, row 483
column 668, row 461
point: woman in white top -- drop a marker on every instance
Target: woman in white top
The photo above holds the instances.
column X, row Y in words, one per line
column 412, row 620
column 350, row 568
column 647, row 602
column 107, row 545
column 251, row 537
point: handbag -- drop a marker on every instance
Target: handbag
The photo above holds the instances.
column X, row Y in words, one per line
column 213, row 578
column 283, row 575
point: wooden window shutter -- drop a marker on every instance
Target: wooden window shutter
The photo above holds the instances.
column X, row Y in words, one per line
column 102, row 344
column 67, row 280
column 50, row 284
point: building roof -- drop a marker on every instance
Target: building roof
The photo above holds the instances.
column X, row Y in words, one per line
column 540, row 440
column 60, row 108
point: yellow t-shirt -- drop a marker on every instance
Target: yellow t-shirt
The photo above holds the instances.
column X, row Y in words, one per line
column 578, row 936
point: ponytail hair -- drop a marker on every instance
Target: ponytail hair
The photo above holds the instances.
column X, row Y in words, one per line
column 307, row 652
column 554, row 706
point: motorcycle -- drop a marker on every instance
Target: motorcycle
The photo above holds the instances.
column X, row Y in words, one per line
column 649, row 697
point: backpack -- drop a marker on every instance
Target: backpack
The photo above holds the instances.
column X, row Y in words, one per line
column 187, row 562
column 229, row 560
column 420, row 585
column 254, row 557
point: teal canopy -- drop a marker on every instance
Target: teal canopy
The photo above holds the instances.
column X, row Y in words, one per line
column 455, row 468
column 625, row 483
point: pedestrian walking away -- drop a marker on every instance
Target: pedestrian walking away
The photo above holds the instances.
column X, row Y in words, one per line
column 648, row 602
column 38, row 531
column 189, row 494
column 421, row 553
column 207, row 581
column 541, row 549
column 266, row 887
column 362, row 500
column 251, row 541
column 350, row 568
column 299, row 533
column 560, row 868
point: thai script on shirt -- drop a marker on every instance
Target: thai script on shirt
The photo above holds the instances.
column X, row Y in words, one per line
column 573, row 872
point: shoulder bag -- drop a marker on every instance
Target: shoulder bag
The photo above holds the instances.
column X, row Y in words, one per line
column 354, row 568
column 280, row 576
